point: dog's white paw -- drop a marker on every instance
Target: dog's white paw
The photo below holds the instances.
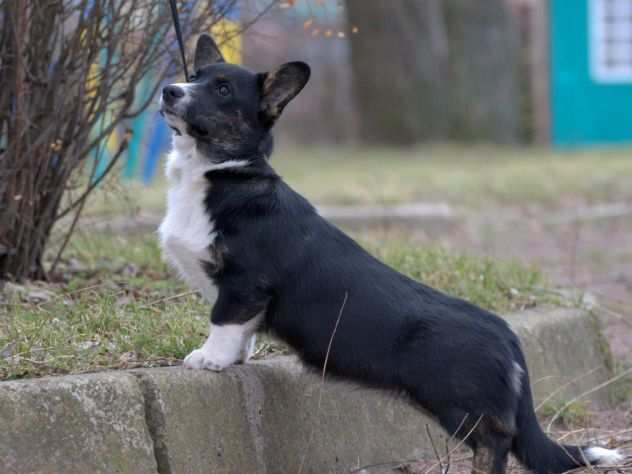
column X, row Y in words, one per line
column 226, row 345
column 205, row 359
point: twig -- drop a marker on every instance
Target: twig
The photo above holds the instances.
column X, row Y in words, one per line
column 559, row 389
column 82, row 201
column 409, row 461
column 384, row 464
column 93, row 185
column 85, row 288
column 459, row 444
column 171, row 298
column 434, row 449
column 333, row 334
column 322, row 383
column 588, row 392
column 448, row 457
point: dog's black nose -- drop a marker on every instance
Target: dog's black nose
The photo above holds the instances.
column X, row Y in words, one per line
column 172, row 93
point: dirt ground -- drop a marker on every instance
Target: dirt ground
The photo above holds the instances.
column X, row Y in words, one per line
column 610, row 428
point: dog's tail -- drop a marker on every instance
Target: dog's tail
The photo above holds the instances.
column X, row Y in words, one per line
column 541, row 454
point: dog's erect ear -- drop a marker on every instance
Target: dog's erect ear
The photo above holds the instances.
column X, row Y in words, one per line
column 206, row 52
column 280, row 86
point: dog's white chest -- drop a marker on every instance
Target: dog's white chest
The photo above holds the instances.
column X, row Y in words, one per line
column 186, row 232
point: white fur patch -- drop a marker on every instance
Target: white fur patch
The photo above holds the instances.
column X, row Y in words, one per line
column 186, row 232
column 603, row 456
column 229, row 164
column 516, row 378
column 185, row 86
column 178, row 124
column 249, row 348
column 225, row 346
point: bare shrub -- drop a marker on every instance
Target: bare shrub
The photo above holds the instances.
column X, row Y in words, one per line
column 68, row 76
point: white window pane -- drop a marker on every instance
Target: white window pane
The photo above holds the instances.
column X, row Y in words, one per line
column 610, row 24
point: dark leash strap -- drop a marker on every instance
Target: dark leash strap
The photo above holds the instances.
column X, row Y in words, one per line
column 176, row 26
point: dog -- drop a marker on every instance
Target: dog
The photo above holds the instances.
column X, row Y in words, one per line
column 264, row 256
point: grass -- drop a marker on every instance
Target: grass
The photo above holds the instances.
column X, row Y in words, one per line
column 470, row 176
column 574, row 414
column 111, row 312
column 500, row 286
column 120, row 306
column 622, row 391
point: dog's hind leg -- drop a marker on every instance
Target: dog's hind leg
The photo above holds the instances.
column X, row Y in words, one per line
column 483, row 461
column 501, row 453
column 492, row 444
column 490, row 460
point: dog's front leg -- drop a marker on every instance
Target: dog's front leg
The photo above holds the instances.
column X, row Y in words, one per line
column 231, row 334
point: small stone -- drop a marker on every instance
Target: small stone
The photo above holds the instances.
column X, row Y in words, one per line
column 7, row 351
column 40, row 296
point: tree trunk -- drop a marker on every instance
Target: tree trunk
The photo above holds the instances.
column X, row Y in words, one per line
column 484, row 82
column 399, row 64
column 434, row 70
column 22, row 233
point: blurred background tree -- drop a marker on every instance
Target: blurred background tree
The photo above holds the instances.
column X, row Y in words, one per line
column 399, row 64
column 435, row 70
column 407, row 72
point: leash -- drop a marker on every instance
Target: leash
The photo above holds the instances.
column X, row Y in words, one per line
column 176, row 26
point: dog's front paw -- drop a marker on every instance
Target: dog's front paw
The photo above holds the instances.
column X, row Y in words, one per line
column 205, row 359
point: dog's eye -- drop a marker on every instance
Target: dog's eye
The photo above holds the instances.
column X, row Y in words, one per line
column 223, row 90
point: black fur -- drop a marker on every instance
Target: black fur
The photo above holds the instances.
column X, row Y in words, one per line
column 452, row 357
column 275, row 253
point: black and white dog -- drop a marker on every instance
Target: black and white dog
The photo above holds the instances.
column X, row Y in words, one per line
column 262, row 254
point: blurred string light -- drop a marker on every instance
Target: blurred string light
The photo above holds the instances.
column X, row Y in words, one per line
column 318, row 21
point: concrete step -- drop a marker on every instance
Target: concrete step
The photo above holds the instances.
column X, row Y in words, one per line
column 268, row 417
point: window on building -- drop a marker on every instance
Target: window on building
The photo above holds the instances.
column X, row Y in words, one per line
column 610, row 26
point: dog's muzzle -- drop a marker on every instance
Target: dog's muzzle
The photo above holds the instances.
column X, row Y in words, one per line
column 171, row 94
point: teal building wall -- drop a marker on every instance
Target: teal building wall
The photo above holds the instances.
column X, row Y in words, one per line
column 584, row 110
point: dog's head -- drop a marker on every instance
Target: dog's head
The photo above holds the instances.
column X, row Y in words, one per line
column 226, row 109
